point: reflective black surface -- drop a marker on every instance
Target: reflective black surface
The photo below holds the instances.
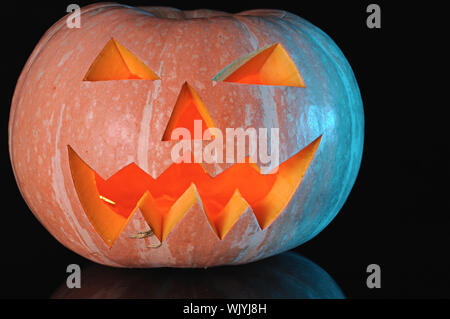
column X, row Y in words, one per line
column 287, row 275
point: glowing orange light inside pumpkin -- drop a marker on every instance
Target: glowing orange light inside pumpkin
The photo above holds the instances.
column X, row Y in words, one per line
column 269, row 66
column 115, row 62
column 188, row 108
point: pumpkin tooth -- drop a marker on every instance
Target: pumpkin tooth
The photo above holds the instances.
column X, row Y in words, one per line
column 229, row 215
column 162, row 221
column 289, row 176
column 103, row 218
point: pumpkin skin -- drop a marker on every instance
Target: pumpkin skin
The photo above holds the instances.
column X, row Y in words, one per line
column 114, row 123
column 287, row 275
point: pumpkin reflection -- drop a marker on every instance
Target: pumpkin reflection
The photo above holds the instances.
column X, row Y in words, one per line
column 288, row 275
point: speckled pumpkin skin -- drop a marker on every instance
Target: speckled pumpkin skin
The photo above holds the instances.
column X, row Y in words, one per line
column 111, row 124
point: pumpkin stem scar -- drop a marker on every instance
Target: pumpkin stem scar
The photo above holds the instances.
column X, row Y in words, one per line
column 145, row 234
column 142, row 234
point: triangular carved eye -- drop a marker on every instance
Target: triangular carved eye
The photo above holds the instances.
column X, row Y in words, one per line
column 271, row 65
column 115, row 62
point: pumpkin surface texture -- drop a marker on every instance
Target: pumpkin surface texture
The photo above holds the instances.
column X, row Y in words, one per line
column 154, row 137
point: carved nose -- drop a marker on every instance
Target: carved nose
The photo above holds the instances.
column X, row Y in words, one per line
column 187, row 114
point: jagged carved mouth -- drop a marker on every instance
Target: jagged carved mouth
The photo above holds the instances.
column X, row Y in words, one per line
column 109, row 204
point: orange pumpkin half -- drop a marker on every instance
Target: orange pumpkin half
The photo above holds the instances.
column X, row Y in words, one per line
column 93, row 126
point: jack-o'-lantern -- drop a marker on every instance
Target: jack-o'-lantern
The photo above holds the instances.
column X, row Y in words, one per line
column 94, row 122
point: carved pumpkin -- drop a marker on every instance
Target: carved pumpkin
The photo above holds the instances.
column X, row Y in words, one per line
column 92, row 128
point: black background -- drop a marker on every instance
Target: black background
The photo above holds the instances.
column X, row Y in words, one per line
column 397, row 214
